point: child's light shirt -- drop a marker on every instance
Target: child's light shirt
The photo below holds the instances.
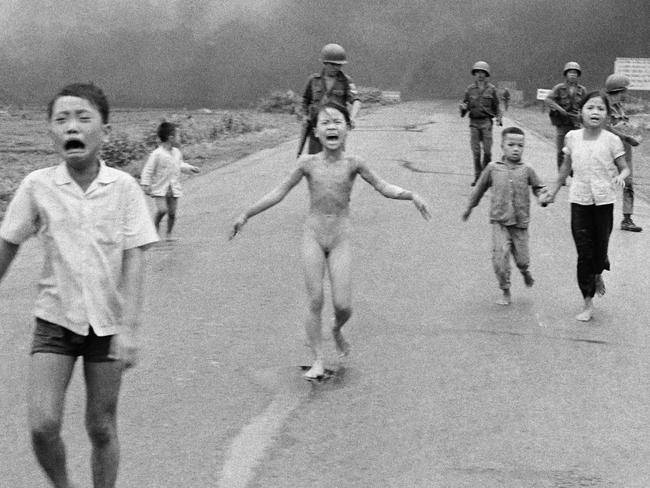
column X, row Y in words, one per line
column 84, row 236
column 162, row 172
column 592, row 162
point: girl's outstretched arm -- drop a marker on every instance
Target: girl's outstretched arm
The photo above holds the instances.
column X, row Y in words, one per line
column 392, row 191
column 267, row 201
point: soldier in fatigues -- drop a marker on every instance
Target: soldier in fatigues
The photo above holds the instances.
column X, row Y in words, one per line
column 482, row 104
column 563, row 102
column 330, row 85
column 618, row 123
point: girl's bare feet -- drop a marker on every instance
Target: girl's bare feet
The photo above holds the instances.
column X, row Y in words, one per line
column 316, row 371
column 505, row 299
column 342, row 346
column 600, row 285
column 587, row 312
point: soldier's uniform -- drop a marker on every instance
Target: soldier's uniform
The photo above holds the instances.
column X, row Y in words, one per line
column 482, row 107
column 343, row 91
column 568, row 96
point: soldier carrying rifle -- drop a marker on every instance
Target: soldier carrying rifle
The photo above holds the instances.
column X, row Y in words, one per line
column 330, row 85
column 563, row 102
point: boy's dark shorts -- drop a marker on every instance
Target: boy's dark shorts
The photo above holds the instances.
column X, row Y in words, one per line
column 54, row 339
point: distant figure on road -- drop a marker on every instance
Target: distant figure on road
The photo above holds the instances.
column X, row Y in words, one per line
column 161, row 173
column 505, row 98
column 510, row 208
column 94, row 225
column 331, row 84
column 619, row 124
column 482, row 103
column 563, row 102
column 594, row 155
column 330, row 176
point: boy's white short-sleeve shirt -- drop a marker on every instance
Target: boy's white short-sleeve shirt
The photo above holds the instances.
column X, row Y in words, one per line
column 162, row 172
column 84, row 235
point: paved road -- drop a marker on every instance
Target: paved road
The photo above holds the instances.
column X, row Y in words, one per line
column 443, row 388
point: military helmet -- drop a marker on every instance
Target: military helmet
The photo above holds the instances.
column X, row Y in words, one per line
column 333, row 53
column 616, row 82
column 481, row 66
column 572, row 65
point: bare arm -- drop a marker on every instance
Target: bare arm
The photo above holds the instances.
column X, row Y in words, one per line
column 124, row 345
column 565, row 170
column 623, row 171
column 274, row 197
column 8, row 252
column 484, row 182
column 392, row 191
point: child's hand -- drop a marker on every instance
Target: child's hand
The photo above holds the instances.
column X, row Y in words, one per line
column 146, row 189
column 421, row 205
column 465, row 215
column 124, row 348
column 619, row 181
column 237, row 226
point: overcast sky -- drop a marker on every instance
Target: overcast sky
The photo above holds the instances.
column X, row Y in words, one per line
column 211, row 53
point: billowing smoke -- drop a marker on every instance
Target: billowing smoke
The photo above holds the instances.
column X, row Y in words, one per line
column 220, row 53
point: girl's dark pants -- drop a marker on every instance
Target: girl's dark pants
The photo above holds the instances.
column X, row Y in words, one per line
column 591, row 226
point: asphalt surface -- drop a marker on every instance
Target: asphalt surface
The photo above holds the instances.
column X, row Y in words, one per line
column 443, row 387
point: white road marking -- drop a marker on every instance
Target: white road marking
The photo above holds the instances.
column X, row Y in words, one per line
column 247, row 449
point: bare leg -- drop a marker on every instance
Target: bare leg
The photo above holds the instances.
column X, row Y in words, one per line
column 102, row 389
column 505, row 299
column 49, row 376
column 172, row 205
column 314, row 261
column 587, row 312
column 339, row 263
column 161, row 210
column 600, row 285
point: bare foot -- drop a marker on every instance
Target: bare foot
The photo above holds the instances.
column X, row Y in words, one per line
column 505, row 299
column 316, row 371
column 342, row 346
column 600, row 286
column 585, row 315
column 528, row 279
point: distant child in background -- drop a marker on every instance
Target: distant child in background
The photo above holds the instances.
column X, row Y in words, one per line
column 597, row 159
column 330, row 175
column 509, row 210
column 94, row 225
column 161, row 173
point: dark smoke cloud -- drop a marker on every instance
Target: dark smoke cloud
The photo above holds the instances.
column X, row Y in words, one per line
column 216, row 53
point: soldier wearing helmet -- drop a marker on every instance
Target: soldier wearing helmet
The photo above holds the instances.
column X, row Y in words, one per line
column 482, row 104
column 564, row 102
column 616, row 87
column 330, row 85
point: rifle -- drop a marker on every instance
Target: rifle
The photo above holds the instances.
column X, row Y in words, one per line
column 304, row 135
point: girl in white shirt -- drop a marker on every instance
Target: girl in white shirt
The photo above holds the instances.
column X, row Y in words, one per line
column 597, row 159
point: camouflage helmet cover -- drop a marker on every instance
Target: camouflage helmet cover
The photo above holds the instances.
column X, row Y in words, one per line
column 481, row 66
column 616, row 82
column 333, row 53
column 572, row 65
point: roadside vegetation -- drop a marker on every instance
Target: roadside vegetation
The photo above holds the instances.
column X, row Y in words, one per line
column 208, row 138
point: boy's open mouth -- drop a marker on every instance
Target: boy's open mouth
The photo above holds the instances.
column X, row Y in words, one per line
column 332, row 137
column 73, row 144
